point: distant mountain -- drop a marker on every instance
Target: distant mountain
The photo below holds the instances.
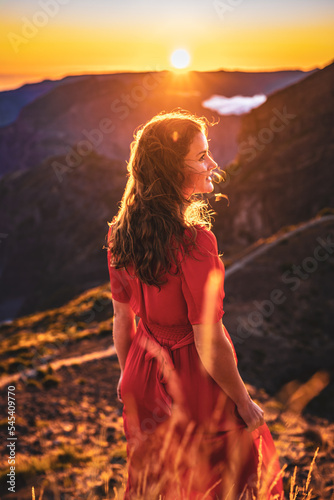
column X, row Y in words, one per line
column 283, row 172
column 54, row 212
column 71, row 112
column 53, row 233
column 12, row 101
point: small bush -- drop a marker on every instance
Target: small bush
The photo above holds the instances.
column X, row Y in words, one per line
column 51, row 381
column 325, row 211
column 31, row 383
column 18, row 365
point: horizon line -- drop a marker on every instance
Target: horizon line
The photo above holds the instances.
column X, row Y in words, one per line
column 166, row 70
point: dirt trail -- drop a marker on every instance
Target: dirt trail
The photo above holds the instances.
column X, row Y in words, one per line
column 96, row 355
column 266, row 246
column 59, row 363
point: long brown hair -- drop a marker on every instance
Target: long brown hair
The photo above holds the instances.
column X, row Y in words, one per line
column 154, row 213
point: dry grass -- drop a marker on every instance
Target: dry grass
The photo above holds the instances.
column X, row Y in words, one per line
column 151, row 491
column 101, row 475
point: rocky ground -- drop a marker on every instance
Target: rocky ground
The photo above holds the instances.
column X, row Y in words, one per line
column 70, row 442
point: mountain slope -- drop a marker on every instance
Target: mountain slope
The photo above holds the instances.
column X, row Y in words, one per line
column 79, row 417
column 283, row 173
column 280, row 309
column 59, row 119
column 55, row 232
column 55, row 212
column 12, row 101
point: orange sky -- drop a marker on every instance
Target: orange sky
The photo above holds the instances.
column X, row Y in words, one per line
column 54, row 38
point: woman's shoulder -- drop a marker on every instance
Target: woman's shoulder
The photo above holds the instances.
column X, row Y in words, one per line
column 203, row 233
column 204, row 238
column 200, row 229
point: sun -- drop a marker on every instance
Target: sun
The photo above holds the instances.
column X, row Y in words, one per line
column 180, row 59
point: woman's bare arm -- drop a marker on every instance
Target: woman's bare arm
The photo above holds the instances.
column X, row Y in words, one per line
column 124, row 329
column 216, row 354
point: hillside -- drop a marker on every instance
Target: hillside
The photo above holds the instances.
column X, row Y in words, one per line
column 283, row 172
column 74, row 444
column 12, row 101
column 57, row 204
column 55, row 232
column 57, row 120
column 279, row 309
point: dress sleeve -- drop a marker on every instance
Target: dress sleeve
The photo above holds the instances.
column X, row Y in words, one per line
column 120, row 287
column 196, row 268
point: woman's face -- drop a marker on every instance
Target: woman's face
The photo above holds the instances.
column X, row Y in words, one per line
column 199, row 166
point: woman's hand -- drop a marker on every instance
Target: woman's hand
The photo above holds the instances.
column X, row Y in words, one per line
column 251, row 414
column 119, row 397
column 219, row 361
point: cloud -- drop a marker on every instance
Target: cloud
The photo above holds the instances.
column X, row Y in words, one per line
column 236, row 105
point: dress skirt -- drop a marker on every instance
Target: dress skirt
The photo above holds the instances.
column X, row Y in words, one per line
column 185, row 438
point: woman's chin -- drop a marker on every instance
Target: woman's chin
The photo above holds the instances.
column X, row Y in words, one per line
column 209, row 188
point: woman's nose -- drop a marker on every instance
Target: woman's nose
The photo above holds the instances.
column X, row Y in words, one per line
column 213, row 164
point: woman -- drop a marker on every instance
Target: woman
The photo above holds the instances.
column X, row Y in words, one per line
column 192, row 429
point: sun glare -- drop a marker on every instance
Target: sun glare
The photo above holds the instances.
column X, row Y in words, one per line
column 180, row 59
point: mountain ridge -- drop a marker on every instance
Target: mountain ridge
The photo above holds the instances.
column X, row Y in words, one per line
column 56, row 212
column 282, row 173
column 54, row 121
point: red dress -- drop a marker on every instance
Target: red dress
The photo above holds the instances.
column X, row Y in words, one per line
column 185, row 438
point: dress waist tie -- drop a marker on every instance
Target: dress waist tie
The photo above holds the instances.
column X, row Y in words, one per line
column 163, row 354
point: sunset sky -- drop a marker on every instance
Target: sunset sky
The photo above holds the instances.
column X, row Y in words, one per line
column 53, row 38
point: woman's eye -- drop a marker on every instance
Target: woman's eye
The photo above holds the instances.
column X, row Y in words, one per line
column 202, row 158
